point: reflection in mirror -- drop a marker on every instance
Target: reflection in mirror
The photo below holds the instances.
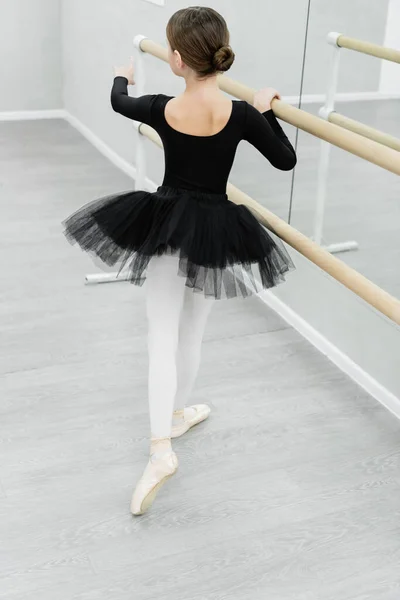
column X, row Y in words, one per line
column 348, row 205
column 269, row 56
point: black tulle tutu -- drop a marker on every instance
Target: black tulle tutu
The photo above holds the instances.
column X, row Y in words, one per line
column 223, row 250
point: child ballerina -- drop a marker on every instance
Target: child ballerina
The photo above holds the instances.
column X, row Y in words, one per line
column 187, row 241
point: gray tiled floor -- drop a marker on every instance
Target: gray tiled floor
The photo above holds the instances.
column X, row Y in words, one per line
column 289, row 491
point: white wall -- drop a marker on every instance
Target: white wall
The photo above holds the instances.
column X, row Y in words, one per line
column 30, row 50
column 364, row 19
column 390, row 72
column 268, row 38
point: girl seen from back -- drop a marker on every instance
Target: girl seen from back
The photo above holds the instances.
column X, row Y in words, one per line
column 187, row 241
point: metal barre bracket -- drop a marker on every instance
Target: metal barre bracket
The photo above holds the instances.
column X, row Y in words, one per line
column 137, row 40
column 333, row 38
column 324, row 112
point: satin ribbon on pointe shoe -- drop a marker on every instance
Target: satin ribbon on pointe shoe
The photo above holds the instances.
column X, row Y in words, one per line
column 202, row 411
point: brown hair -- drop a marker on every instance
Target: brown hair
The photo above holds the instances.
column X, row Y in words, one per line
column 201, row 36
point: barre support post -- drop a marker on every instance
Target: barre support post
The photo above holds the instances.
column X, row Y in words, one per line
column 325, row 151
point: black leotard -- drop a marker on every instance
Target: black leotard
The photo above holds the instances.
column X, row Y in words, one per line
column 204, row 162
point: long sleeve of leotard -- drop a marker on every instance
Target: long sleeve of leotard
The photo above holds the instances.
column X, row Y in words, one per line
column 263, row 131
column 138, row 109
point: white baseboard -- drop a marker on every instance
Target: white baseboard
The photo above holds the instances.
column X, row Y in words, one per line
column 32, row 115
column 341, row 360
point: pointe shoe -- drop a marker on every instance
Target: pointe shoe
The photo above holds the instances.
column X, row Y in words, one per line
column 159, row 469
column 202, row 411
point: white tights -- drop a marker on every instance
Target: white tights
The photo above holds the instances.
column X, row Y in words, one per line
column 176, row 318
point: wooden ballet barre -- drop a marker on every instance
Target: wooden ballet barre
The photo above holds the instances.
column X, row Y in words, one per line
column 361, row 129
column 369, row 150
column 353, row 280
column 368, row 48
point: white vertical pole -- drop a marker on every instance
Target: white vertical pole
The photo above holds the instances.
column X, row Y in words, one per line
column 325, row 147
column 139, row 77
column 140, row 81
column 389, row 82
column 323, row 168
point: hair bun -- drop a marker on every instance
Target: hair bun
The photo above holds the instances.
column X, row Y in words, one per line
column 223, row 58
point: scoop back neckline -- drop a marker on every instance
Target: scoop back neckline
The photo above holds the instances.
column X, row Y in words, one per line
column 191, row 135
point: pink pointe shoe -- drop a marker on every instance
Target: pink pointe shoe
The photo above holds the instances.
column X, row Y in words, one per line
column 161, row 466
column 196, row 414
